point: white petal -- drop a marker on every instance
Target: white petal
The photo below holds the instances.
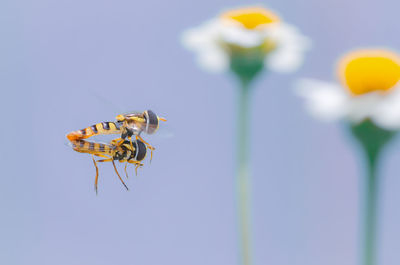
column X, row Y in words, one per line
column 284, row 60
column 362, row 107
column 192, row 39
column 204, row 40
column 205, row 34
column 213, row 60
column 240, row 36
column 387, row 113
column 330, row 101
column 326, row 101
column 287, row 34
column 291, row 47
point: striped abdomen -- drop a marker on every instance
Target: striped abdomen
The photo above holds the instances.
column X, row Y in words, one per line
column 106, row 127
column 83, row 146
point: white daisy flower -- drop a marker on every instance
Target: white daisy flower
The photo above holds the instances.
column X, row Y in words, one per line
column 256, row 32
column 368, row 88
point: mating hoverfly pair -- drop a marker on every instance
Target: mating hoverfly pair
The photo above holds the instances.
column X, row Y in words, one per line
column 130, row 148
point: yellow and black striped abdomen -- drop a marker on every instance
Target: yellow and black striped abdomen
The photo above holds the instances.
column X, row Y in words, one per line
column 83, row 146
column 106, row 127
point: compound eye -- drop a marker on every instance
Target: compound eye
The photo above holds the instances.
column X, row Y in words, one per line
column 141, row 150
column 152, row 122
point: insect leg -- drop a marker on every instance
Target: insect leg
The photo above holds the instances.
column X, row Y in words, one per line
column 116, row 171
column 138, row 164
column 115, row 168
column 130, row 141
column 126, row 173
column 146, row 143
column 148, row 146
column 97, row 174
column 117, row 141
column 103, row 156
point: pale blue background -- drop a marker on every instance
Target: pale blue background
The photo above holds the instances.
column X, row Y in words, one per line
column 65, row 65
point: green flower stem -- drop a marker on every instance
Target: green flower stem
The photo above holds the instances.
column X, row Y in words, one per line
column 373, row 139
column 246, row 66
column 370, row 208
column 243, row 173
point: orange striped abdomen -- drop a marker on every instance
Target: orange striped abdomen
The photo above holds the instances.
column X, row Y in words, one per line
column 97, row 129
column 83, row 146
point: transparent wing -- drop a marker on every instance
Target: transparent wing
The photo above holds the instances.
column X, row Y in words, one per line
column 106, row 102
column 164, row 131
column 134, row 113
column 104, row 138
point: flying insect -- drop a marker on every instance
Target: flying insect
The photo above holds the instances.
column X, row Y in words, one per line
column 127, row 125
column 132, row 153
column 134, row 123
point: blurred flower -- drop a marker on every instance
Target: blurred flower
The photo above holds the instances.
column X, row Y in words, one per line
column 368, row 88
column 367, row 96
column 253, row 33
column 245, row 41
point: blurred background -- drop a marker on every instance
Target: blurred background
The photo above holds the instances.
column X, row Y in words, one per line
column 65, row 65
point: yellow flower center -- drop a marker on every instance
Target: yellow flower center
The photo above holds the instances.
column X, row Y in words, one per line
column 251, row 17
column 366, row 71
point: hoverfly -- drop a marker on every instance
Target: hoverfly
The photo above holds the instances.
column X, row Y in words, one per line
column 132, row 153
column 128, row 125
column 134, row 123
